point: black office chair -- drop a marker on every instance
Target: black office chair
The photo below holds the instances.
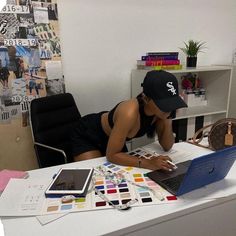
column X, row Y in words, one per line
column 52, row 119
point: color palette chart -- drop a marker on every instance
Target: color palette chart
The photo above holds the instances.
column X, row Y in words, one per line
column 133, row 186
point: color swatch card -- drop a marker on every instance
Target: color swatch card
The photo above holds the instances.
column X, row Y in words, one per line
column 141, row 153
column 147, row 153
column 55, row 205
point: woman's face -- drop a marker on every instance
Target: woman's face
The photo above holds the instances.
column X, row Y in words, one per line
column 152, row 109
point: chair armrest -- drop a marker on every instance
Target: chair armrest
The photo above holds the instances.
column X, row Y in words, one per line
column 53, row 148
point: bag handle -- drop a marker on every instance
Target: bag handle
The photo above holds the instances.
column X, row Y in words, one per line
column 196, row 141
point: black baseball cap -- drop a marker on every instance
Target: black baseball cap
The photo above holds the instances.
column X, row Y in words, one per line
column 162, row 87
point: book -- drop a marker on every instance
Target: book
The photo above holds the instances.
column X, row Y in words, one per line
column 6, row 175
column 172, row 57
column 162, row 53
column 158, row 62
column 162, row 67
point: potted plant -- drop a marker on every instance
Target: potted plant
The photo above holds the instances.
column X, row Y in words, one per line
column 191, row 49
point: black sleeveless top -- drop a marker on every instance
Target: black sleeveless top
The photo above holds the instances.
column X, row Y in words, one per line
column 146, row 126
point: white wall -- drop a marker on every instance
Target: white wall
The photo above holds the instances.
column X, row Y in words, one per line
column 101, row 41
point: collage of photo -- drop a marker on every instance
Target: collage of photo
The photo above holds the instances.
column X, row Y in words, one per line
column 30, row 56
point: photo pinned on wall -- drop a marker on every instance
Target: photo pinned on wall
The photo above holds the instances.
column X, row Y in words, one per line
column 41, row 15
column 16, row 62
column 12, row 25
column 55, row 86
column 18, row 89
column 48, row 40
column 45, row 50
column 53, row 70
column 6, row 99
column 26, row 20
column 8, row 109
column 51, row 8
column 35, row 88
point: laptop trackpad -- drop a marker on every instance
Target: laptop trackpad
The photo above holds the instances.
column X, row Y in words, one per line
column 163, row 174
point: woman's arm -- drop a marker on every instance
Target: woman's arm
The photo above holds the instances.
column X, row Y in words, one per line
column 125, row 118
column 165, row 133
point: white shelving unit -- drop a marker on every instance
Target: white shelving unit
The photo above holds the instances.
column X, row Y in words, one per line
column 215, row 79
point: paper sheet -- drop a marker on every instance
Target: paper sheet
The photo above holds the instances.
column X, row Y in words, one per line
column 54, row 70
column 23, row 197
column 45, row 219
column 41, row 15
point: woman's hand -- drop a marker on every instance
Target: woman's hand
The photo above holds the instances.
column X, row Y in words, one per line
column 160, row 163
column 165, row 133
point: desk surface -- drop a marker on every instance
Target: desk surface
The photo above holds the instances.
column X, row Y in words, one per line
column 111, row 221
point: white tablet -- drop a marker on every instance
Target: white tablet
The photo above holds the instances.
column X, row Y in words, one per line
column 70, row 181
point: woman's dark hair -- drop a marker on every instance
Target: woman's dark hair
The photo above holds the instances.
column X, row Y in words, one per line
column 151, row 129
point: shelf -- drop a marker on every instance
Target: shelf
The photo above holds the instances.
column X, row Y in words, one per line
column 194, row 70
column 199, row 111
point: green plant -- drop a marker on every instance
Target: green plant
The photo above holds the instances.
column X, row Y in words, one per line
column 192, row 48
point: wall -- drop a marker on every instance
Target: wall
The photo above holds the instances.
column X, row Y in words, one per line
column 101, row 41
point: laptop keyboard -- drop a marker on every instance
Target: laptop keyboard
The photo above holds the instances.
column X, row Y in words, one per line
column 174, row 183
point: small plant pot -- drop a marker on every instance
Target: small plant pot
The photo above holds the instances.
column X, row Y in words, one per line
column 191, row 62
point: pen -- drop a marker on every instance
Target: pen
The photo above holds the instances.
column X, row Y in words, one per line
column 54, row 176
column 173, row 164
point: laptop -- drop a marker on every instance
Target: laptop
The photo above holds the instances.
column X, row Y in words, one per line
column 196, row 173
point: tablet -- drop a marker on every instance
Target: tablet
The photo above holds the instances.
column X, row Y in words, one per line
column 70, row 181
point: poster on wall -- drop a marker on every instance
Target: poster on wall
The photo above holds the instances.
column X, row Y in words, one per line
column 30, row 56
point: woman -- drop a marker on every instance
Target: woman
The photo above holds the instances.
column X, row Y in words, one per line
column 105, row 133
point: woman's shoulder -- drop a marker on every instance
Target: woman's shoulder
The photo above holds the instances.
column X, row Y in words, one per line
column 128, row 109
column 129, row 105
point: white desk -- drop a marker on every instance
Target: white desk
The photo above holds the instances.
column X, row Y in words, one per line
column 200, row 217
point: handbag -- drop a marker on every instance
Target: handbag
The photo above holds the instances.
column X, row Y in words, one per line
column 222, row 134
